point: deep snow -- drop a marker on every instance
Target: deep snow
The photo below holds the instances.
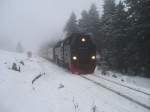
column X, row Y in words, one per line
column 57, row 90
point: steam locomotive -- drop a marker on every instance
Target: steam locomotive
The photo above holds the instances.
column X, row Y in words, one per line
column 77, row 53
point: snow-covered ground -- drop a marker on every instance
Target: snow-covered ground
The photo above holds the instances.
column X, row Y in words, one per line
column 137, row 82
column 54, row 90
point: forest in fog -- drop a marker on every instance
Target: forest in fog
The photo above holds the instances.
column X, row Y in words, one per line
column 121, row 34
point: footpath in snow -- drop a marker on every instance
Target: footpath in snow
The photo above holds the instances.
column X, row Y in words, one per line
column 42, row 86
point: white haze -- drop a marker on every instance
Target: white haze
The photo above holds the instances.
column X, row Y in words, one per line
column 35, row 21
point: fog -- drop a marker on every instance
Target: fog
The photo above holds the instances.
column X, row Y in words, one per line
column 33, row 22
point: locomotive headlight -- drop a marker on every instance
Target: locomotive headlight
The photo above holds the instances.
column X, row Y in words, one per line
column 93, row 57
column 83, row 40
column 74, row 58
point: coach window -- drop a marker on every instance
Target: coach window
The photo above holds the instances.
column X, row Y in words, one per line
column 68, row 41
column 61, row 44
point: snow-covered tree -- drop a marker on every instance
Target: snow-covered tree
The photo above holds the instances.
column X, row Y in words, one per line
column 71, row 26
column 119, row 38
column 84, row 21
column 139, row 34
column 19, row 47
column 90, row 22
column 105, row 32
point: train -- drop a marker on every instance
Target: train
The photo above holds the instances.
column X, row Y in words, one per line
column 77, row 53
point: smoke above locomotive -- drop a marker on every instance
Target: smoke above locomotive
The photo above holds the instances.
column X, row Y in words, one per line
column 77, row 53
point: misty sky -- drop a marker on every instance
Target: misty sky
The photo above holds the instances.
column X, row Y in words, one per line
column 35, row 21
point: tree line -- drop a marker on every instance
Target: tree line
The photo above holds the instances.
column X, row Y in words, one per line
column 121, row 34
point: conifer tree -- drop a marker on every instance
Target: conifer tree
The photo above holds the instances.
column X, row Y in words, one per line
column 94, row 20
column 105, row 32
column 119, row 38
column 19, row 47
column 71, row 26
column 90, row 22
column 139, row 33
column 84, row 21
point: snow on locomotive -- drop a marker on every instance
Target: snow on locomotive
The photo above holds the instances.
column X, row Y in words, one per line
column 77, row 52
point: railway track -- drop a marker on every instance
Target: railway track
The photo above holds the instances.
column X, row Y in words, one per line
column 120, row 93
column 134, row 89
